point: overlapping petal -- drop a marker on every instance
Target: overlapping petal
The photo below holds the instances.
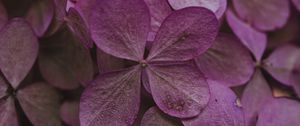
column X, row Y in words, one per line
column 155, row 117
column 179, row 90
column 64, row 62
column 69, row 113
column 159, row 10
column 216, row 6
column 222, row 109
column 120, row 28
column 254, row 40
column 18, row 50
column 227, row 61
column 40, row 103
column 280, row 64
column 280, row 112
column 40, row 16
column 108, row 63
column 255, row 96
column 58, row 16
column 264, row 15
column 185, row 34
column 112, row 99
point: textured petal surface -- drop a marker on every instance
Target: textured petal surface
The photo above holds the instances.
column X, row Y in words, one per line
column 18, row 50
column 264, row 15
column 254, row 40
column 40, row 103
column 85, row 7
column 256, row 94
column 227, row 61
column 216, row 6
column 185, row 34
column 281, row 62
column 69, row 113
column 120, row 28
column 78, row 26
column 8, row 114
column 179, row 90
column 280, row 112
column 297, row 4
column 159, row 10
column 222, row 109
column 3, row 15
column 40, row 15
column 64, row 62
column 155, row 117
column 112, row 99
column 108, row 63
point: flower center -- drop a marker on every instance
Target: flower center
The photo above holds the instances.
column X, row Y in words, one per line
column 143, row 63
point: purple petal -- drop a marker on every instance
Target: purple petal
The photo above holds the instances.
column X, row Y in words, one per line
column 221, row 110
column 254, row 40
column 78, row 26
column 18, row 50
column 227, row 61
column 69, row 112
column 159, row 10
column 108, row 63
column 40, row 15
column 216, row 6
column 179, row 90
column 280, row 112
column 58, row 17
column 185, row 34
column 256, row 94
column 3, row 87
column 281, row 62
column 264, row 15
column 40, row 103
column 64, row 62
column 3, row 15
column 120, row 28
column 85, row 7
column 8, row 114
column 113, row 99
column 297, row 4
column 155, row 117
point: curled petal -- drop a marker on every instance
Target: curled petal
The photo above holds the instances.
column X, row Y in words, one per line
column 179, row 90
column 40, row 103
column 264, row 15
column 222, row 109
column 18, row 50
column 216, row 6
column 280, row 64
column 185, row 34
column 280, row 112
column 120, row 28
column 256, row 94
column 155, row 117
column 227, row 61
column 254, row 40
column 112, row 99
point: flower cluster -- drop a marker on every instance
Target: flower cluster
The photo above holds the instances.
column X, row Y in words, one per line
column 149, row 63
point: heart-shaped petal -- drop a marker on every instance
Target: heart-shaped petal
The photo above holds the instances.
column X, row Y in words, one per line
column 18, row 50
column 227, row 61
column 120, row 28
column 40, row 103
column 185, row 34
column 179, row 90
column 112, row 99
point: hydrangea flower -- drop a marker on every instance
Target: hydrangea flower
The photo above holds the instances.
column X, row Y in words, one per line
column 113, row 98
